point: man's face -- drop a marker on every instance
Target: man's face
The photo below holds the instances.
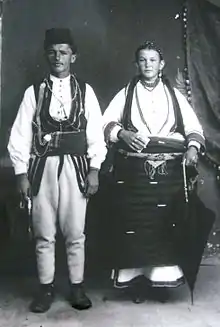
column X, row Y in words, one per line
column 149, row 64
column 59, row 57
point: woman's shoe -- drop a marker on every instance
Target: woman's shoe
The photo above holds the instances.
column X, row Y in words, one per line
column 137, row 290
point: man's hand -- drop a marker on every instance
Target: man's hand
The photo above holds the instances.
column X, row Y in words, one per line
column 191, row 156
column 23, row 186
column 92, row 182
column 132, row 139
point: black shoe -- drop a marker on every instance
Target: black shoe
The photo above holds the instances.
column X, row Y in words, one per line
column 160, row 294
column 78, row 298
column 137, row 295
column 137, row 291
column 44, row 299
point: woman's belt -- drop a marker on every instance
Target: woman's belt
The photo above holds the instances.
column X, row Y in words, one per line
column 154, row 163
column 151, row 156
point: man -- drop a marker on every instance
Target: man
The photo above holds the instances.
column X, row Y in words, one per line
column 57, row 147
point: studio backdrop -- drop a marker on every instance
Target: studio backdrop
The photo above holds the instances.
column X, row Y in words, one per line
column 106, row 33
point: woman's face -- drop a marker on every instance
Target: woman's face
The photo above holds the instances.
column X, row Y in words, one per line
column 149, row 64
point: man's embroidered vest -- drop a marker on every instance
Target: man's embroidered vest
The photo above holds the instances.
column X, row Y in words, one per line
column 57, row 138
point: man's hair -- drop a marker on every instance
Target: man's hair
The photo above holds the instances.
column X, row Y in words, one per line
column 59, row 36
column 148, row 45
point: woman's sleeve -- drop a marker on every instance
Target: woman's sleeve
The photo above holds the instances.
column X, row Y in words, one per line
column 112, row 116
column 193, row 129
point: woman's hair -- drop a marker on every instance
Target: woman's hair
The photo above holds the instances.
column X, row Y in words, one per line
column 147, row 45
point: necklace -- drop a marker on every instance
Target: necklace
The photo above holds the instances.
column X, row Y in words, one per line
column 150, row 86
column 142, row 116
column 62, row 103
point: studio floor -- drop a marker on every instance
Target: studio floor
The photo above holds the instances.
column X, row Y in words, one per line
column 113, row 308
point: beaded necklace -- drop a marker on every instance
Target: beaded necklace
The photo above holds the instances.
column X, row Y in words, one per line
column 150, row 86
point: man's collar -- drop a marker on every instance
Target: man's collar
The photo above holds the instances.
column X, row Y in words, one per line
column 55, row 79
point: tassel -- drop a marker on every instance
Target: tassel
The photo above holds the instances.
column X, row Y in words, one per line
column 162, row 169
column 151, row 169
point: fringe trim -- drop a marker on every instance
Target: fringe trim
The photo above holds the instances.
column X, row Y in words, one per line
column 151, row 169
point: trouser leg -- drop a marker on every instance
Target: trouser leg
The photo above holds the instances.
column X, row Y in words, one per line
column 72, row 212
column 44, row 221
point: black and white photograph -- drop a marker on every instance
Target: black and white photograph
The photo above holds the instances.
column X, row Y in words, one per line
column 109, row 163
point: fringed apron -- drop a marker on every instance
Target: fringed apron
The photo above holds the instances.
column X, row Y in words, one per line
column 146, row 190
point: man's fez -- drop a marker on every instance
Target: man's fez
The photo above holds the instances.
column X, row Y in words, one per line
column 59, row 36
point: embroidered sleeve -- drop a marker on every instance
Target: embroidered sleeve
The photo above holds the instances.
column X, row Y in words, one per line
column 192, row 126
column 112, row 117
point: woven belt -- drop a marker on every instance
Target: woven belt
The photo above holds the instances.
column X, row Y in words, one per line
column 151, row 156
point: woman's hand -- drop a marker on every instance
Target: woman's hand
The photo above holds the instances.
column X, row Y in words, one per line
column 132, row 139
column 191, row 156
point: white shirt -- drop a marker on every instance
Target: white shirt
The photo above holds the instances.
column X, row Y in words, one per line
column 61, row 97
column 20, row 141
column 152, row 113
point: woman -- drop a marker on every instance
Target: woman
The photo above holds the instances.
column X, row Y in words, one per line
column 152, row 128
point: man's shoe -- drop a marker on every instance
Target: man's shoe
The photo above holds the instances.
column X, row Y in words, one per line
column 44, row 299
column 78, row 298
